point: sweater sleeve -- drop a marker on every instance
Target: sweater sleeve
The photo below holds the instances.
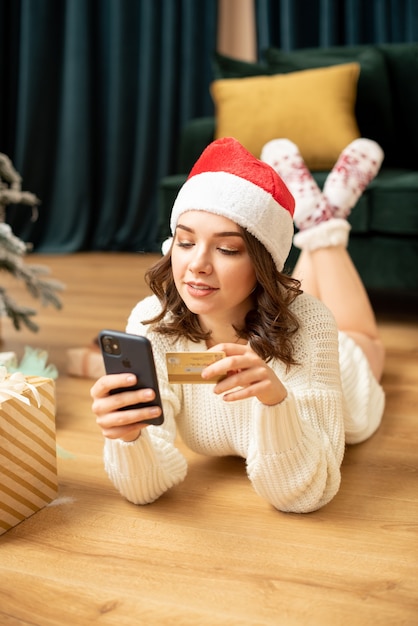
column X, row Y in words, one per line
column 146, row 468
column 293, row 465
column 297, row 446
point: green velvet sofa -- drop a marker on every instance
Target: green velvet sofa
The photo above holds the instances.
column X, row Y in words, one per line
column 384, row 236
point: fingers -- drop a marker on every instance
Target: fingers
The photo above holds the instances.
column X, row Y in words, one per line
column 112, row 430
column 126, row 425
column 255, row 389
column 105, row 384
column 241, row 378
column 112, row 416
column 104, row 401
column 246, row 375
column 230, row 348
column 237, row 358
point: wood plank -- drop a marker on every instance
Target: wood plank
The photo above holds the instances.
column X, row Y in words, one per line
column 210, row 551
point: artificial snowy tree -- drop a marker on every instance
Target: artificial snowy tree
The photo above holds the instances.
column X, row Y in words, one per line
column 13, row 250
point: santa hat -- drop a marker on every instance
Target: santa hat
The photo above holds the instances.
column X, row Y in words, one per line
column 228, row 180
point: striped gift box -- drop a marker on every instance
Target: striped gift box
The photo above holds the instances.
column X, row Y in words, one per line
column 28, row 463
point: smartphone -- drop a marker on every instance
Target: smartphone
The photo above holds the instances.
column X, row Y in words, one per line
column 123, row 352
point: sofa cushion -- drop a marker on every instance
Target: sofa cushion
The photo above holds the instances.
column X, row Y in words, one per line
column 314, row 108
column 394, row 207
column 386, row 261
column 373, row 107
column 227, row 67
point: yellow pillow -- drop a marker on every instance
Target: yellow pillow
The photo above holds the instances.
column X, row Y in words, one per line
column 314, row 108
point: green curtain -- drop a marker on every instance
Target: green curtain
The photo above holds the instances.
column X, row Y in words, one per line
column 291, row 24
column 94, row 93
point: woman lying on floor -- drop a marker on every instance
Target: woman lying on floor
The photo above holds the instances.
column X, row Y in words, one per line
column 301, row 369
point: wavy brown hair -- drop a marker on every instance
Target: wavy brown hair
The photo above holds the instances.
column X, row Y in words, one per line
column 269, row 326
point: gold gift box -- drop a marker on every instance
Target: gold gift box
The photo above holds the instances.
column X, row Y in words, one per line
column 28, row 460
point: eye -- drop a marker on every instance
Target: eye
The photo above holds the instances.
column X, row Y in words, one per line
column 228, row 251
column 184, row 244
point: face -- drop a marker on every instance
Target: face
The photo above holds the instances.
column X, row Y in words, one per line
column 212, row 270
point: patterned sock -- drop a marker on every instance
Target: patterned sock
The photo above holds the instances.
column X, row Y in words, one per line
column 355, row 168
column 311, row 205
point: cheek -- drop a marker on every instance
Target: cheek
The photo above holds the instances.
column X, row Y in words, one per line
column 242, row 278
column 248, row 275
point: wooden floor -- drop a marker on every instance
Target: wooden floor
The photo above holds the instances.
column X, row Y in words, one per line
column 210, row 552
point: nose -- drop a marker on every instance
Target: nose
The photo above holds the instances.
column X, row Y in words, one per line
column 200, row 262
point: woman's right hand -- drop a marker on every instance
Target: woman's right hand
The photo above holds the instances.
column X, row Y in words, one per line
column 116, row 424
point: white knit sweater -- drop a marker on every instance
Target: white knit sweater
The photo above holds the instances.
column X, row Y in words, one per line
column 293, row 450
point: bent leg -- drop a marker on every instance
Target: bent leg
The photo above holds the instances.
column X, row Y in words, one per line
column 304, row 271
column 324, row 267
column 329, row 274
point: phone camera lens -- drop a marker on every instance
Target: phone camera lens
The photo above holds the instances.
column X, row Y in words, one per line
column 110, row 345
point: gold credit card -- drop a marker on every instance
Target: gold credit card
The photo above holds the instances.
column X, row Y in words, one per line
column 186, row 367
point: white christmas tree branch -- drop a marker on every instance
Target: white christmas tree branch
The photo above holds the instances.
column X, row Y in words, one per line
column 13, row 249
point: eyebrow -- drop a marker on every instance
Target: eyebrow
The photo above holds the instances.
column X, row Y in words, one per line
column 225, row 233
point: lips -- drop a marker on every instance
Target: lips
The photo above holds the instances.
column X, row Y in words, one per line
column 200, row 290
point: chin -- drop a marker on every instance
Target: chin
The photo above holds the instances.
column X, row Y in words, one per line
column 198, row 308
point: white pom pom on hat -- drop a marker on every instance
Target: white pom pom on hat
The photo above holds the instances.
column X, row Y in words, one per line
column 228, row 180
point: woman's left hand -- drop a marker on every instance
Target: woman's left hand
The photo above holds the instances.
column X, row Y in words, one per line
column 247, row 375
